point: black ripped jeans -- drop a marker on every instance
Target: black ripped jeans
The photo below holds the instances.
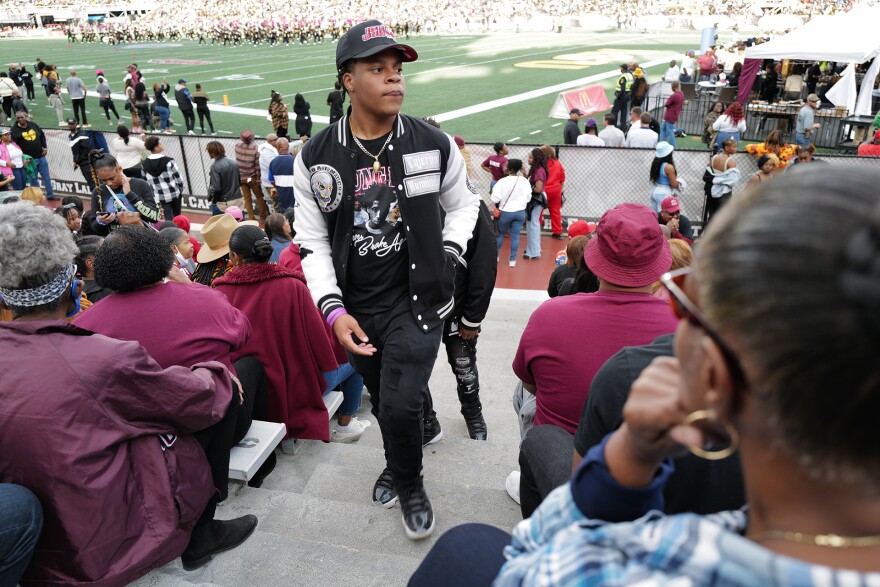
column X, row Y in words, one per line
column 396, row 377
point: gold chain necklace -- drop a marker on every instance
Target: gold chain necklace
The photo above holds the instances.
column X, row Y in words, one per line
column 829, row 540
column 376, row 165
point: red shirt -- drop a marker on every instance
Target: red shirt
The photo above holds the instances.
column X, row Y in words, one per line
column 869, row 150
column 673, row 107
column 605, row 322
column 556, row 177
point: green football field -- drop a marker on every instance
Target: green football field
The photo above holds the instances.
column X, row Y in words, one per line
column 484, row 87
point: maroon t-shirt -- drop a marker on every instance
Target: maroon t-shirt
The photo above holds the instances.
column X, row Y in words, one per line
column 673, row 107
column 496, row 165
column 604, row 322
column 178, row 324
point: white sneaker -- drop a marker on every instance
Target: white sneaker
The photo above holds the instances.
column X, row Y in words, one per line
column 511, row 263
column 350, row 433
column 512, row 486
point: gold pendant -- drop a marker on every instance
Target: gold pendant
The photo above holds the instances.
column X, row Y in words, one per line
column 376, row 166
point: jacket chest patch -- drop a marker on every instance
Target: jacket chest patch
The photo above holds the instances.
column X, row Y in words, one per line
column 326, row 184
column 420, row 162
column 422, row 184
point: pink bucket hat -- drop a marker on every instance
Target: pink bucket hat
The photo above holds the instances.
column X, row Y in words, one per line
column 629, row 249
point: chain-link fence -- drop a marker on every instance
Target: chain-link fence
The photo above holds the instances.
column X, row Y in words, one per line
column 596, row 179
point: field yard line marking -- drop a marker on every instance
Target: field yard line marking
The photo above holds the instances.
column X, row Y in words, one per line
column 513, row 139
column 418, row 73
column 476, row 108
column 534, row 132
column 555, row 125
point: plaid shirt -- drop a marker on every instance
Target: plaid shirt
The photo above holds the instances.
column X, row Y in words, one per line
column 559, row 546
column 168, row 185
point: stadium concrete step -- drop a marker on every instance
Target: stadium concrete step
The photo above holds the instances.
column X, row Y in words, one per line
column 318, row 525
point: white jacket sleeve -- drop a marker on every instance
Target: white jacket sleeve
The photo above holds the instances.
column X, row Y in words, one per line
column 460, row 201
column 311, row 234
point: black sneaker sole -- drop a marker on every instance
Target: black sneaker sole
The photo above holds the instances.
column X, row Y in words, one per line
column 193, row 565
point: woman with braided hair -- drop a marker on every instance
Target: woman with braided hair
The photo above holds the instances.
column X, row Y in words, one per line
column 118, row 200
column 776, row 357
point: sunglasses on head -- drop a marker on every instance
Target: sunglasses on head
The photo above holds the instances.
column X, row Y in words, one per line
column 685, row 309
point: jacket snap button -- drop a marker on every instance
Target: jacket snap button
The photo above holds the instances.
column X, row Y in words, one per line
column 420, row 317
column 425, row 326
column 413, row 265
column 415, row 298
column 390, row 147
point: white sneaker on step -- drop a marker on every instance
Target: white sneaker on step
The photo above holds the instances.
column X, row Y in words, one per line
column 350, row 433
column 512, row 485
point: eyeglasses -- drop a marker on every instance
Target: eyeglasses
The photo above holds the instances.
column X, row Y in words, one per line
column 685, row 309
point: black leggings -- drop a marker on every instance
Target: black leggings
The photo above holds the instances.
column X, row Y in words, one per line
column 7, row 106
column 217, row 441
column 713, row 205
column 203, row 114
column 143, row 112
column 189, row 119
column 171, row 209
column 79, row 105
column 108, row 107
column 281, row 131
column 253, row 379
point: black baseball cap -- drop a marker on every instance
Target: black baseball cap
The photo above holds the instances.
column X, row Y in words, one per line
column 369, row 38
column 72, row 121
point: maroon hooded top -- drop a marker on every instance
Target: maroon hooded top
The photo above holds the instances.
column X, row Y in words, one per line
column 82, row 417
column 289, row 339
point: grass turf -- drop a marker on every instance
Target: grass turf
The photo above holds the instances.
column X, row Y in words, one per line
column 452, row 73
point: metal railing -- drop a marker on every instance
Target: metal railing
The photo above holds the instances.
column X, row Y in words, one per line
column 597, row 179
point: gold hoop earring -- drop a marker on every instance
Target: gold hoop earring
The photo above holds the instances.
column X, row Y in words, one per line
column 712, row 455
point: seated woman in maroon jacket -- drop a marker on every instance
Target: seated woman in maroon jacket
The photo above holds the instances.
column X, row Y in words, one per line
column 287, row 333
column 106, row 438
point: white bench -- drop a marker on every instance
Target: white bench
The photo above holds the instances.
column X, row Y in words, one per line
column 246, row 458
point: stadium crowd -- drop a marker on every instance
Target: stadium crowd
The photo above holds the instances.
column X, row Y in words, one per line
column 270, row 21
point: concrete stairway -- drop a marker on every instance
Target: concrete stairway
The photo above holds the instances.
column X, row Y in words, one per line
column 318, row 525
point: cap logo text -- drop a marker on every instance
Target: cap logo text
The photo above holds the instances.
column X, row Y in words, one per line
column 374, row 32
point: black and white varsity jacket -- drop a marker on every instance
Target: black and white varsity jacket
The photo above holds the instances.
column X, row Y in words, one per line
column 428, row 173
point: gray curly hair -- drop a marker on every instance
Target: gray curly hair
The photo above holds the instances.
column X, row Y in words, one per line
column 35, row 245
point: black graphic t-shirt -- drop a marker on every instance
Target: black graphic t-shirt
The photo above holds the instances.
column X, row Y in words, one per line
column 378, row 272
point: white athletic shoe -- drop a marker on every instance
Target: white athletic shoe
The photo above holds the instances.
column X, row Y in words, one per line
column 511, row 263
column 350, row 433
column 512, row 486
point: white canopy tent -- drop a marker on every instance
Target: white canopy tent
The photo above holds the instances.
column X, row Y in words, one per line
column 849, row 37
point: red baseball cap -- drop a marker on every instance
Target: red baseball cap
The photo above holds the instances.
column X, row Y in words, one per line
column 670, row 204
column 629, row 249
column 580, row 228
